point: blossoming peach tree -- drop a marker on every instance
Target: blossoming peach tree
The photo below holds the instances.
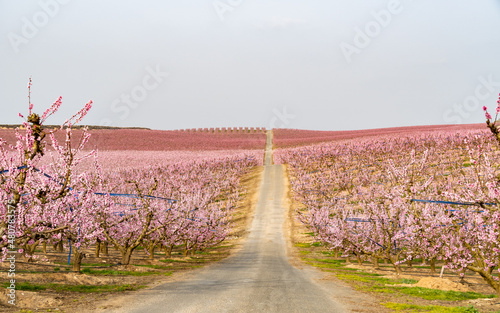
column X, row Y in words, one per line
column 43, row 201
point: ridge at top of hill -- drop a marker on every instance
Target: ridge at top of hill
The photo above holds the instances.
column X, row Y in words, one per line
column 14, row 126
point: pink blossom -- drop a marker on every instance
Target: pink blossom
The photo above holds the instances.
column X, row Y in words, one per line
column 53, row 109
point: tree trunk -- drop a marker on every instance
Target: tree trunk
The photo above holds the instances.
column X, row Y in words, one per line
column 127, row 256
column 396, row 266
column 29, row 251
column 60, row 247
column 433, row 265
column 77, row 259
column 168, row 250
column 97, row 248
column 44, row 247
column 104, row 248
column 487, row 277
column 409, row 263
column 186, row 248
column 360, row 262
column 375, row 262
column 151, row 251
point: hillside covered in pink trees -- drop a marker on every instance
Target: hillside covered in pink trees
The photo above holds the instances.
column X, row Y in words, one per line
column 165, row 140
column 283, row 138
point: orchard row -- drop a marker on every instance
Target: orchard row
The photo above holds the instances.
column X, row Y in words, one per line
column 60, row 195
column 429, row 195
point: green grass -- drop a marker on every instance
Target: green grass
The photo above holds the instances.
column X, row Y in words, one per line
column 202, row 252
column 328, row 261
column 373, row 278
column 330, row 253
column 353, row 277
column 365, row 281
column 191, row 260
column 158, row 267
column 322, row 264
column 426, row 293
column 74, row 288
column 26, row 286
column 34, row 272
column 88, row 289
column 376, row 275
column 383, row 285
column 172, row 261
column 329, row 265
column 408, row 281
column 90, row 271
column 303, row 245
column 435, row 294
column 217, row 247
column 87, row 264
column 334, row 269
column 376, row 283
column 400, row 307
column 96, row 264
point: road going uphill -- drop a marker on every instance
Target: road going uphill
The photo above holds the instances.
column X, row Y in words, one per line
column 257, row 278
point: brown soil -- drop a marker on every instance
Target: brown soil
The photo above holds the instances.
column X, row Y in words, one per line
column 441, row 284
column 55, row 270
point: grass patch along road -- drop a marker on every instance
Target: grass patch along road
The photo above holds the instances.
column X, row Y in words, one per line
column 395, row 293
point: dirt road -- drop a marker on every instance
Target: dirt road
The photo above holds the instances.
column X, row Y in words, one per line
column 257, row 278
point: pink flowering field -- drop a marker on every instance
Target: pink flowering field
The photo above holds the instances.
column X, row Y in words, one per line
column 418, row 193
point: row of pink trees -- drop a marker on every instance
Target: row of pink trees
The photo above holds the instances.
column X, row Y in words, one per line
column 360, row 196
column 47, row 197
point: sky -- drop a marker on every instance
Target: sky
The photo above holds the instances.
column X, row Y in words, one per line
column 308, row 64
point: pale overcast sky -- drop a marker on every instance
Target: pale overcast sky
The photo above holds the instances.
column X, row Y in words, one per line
column 309, row 64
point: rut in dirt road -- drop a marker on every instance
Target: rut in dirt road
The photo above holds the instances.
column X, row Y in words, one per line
column 258, row 278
